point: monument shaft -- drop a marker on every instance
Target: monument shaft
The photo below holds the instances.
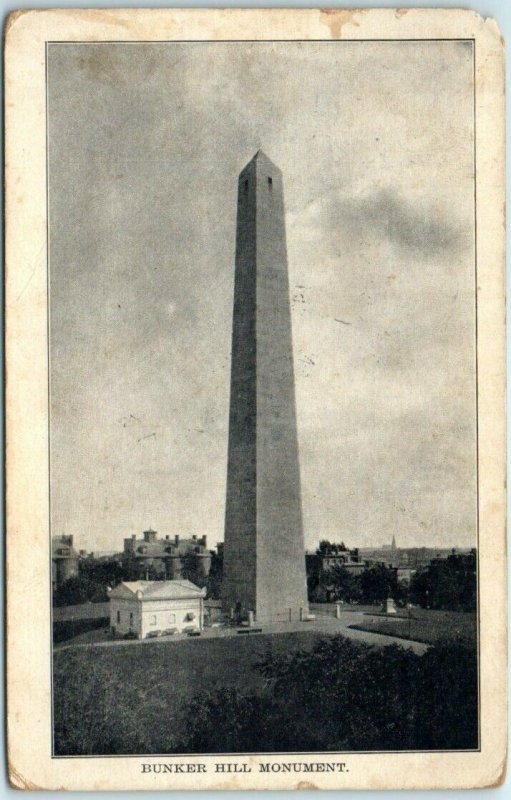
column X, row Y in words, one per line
column 264, row 559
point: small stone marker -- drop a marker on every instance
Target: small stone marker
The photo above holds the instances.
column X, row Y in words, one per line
column 390, row 606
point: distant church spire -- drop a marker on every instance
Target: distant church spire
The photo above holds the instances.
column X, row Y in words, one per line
column 394, row 546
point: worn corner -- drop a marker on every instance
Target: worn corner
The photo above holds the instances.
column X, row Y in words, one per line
column 500, row 778
column 12, row 19
column 18, row 781
column 497, row 776
column 492, row 28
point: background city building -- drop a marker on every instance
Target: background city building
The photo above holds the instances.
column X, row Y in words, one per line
column 64, row 560
column 169, row 558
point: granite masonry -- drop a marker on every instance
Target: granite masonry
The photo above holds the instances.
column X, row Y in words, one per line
column 264, row 561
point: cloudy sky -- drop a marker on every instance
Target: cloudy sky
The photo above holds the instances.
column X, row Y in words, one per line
column 375, row 144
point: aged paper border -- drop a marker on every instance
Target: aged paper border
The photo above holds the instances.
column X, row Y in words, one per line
column 31, row 765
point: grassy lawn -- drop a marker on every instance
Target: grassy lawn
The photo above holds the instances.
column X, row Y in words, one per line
column 425, row 625
column 134, row 698
column 115, row 699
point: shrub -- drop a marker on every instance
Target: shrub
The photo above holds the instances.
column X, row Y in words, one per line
column 347, row 696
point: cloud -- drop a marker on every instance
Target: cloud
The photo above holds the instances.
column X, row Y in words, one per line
column 413, row 225
column 378, row 188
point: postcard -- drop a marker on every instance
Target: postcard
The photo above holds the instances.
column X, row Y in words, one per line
column 255, row 399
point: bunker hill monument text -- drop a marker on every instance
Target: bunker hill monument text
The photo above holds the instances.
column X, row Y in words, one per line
column 264, row 560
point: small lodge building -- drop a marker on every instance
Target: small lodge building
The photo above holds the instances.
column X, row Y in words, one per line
column 147, row 609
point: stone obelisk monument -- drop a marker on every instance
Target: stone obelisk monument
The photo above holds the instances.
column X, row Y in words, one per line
column 264, row 557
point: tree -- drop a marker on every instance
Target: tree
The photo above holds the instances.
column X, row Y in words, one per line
column 215, row 577
column 103, row 573
column 327, row 548
column 378, row 583
column 402, row 593
column 346, row 696
column 74, row 591
column 91, row 583
column 193, row 569
column 344, row 584
column 449, row 584
column 228, row 721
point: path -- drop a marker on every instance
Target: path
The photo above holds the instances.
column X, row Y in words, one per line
column 321, row 624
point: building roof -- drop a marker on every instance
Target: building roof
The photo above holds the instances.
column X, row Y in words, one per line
column 165, row 548
column 157, row 590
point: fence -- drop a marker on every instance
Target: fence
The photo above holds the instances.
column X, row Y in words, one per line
column 81, row 612
column 70, row 621
column 285, row 616
column 323, row 610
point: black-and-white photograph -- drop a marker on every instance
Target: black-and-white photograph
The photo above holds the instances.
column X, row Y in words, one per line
column 263, row 396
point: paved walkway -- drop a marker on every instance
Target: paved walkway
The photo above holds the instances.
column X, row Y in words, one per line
column 322, row 624
column 357, row 618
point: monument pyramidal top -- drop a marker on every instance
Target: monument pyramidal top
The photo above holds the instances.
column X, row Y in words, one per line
column 260, row 159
